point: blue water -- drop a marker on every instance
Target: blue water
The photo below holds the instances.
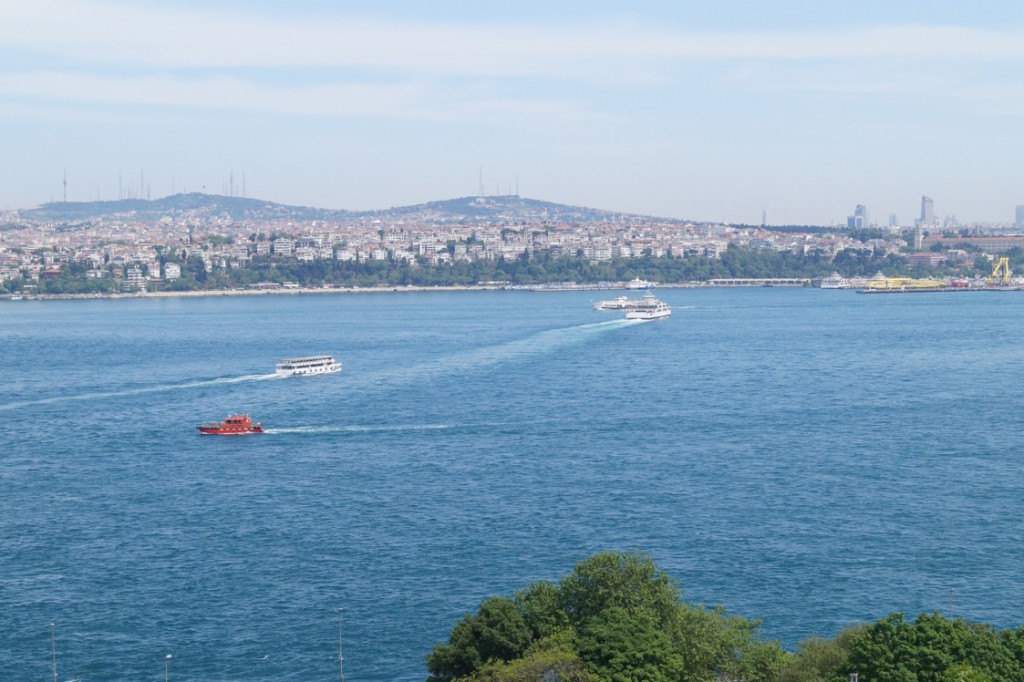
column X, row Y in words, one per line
column 809, row 458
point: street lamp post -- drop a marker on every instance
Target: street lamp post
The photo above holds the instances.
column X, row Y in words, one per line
column 167, row 667
column 341, row 668
column 53, row 648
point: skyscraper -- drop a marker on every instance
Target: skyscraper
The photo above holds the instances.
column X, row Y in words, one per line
column 927, row 211
column 1019, row 217
column 859, row 219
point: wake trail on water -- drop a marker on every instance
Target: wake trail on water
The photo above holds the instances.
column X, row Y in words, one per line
column 510, row 351
column 159, row 388
column 360, row 429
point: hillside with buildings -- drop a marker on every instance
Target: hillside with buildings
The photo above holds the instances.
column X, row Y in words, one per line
column 198, row 241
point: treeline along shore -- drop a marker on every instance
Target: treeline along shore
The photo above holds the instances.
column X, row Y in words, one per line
column 194, row 275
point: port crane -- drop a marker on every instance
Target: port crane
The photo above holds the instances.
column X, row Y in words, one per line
column 1001, row 272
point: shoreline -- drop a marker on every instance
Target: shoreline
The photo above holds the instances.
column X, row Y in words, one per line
column 296, row 291
column 209, row 293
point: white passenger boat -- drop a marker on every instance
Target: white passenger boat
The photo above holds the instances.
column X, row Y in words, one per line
column 834, row 281
column 617, row 303
column 303, row 367
column 649, row 308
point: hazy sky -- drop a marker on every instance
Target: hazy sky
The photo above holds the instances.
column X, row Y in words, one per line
column 709, row 110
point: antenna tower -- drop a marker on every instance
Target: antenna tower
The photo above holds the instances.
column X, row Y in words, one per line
column 65, row 184
column 481, row 190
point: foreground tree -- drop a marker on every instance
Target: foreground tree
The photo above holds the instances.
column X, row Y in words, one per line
column 931, row 649
column 497, row 633
column 615, row 617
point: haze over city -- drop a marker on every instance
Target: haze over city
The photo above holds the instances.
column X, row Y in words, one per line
column 699, row 111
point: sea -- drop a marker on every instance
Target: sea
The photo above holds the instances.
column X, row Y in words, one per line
column 807, row 458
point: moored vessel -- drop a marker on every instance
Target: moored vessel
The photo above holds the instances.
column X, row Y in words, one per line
column 649, row 308
column 308, row 366
column 235, row 425
column 834, row 281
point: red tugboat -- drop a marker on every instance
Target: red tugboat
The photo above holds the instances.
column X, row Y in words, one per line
column 235, row 425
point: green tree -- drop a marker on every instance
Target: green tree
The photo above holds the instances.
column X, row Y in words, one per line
column 629, row 581
column 962, row 672
column 551, row 660
column 623, row 645
column 496, row 632
column 819, row 659
column 893, row 650
column 540, row 607
column 621, row 616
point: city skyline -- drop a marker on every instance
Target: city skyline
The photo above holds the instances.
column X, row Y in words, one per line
column 704, row 113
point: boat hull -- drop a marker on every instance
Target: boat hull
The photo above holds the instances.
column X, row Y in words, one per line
column 235, row 425
column 649, row 308
column 648, row 314
column 216, row 431
column 313, row 365
column 309, row 372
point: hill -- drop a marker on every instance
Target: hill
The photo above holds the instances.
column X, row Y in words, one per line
column 501, row 209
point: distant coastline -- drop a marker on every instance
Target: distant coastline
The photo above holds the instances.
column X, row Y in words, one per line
column 206, row 293
column 296, row 291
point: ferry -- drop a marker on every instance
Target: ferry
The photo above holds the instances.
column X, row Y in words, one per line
column 309, row 366
column 637, row 283
column 617, row 303
column 834, row 281
column 235, row 425
column 649, row 308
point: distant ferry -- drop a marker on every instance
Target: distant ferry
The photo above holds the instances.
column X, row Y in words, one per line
column 303, row 367
column 617, row 303
column 834, row 281
column 235, row 425
column 649, row 308
column 637, row 283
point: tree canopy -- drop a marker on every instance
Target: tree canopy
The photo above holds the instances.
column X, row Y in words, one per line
column 617, row 616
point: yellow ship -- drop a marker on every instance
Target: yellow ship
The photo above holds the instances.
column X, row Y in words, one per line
column 903, row 284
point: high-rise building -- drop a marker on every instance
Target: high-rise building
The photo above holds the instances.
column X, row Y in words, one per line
column 1019, row 217
column 927, row 211
column 859, row 219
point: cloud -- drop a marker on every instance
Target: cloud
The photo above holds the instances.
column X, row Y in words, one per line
column 134, row 35
column 227, row 93
column 103, row 51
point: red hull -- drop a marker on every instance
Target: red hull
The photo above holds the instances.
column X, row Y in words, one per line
column 235, row 425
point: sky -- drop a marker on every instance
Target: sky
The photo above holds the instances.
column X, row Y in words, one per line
column 696, row 110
